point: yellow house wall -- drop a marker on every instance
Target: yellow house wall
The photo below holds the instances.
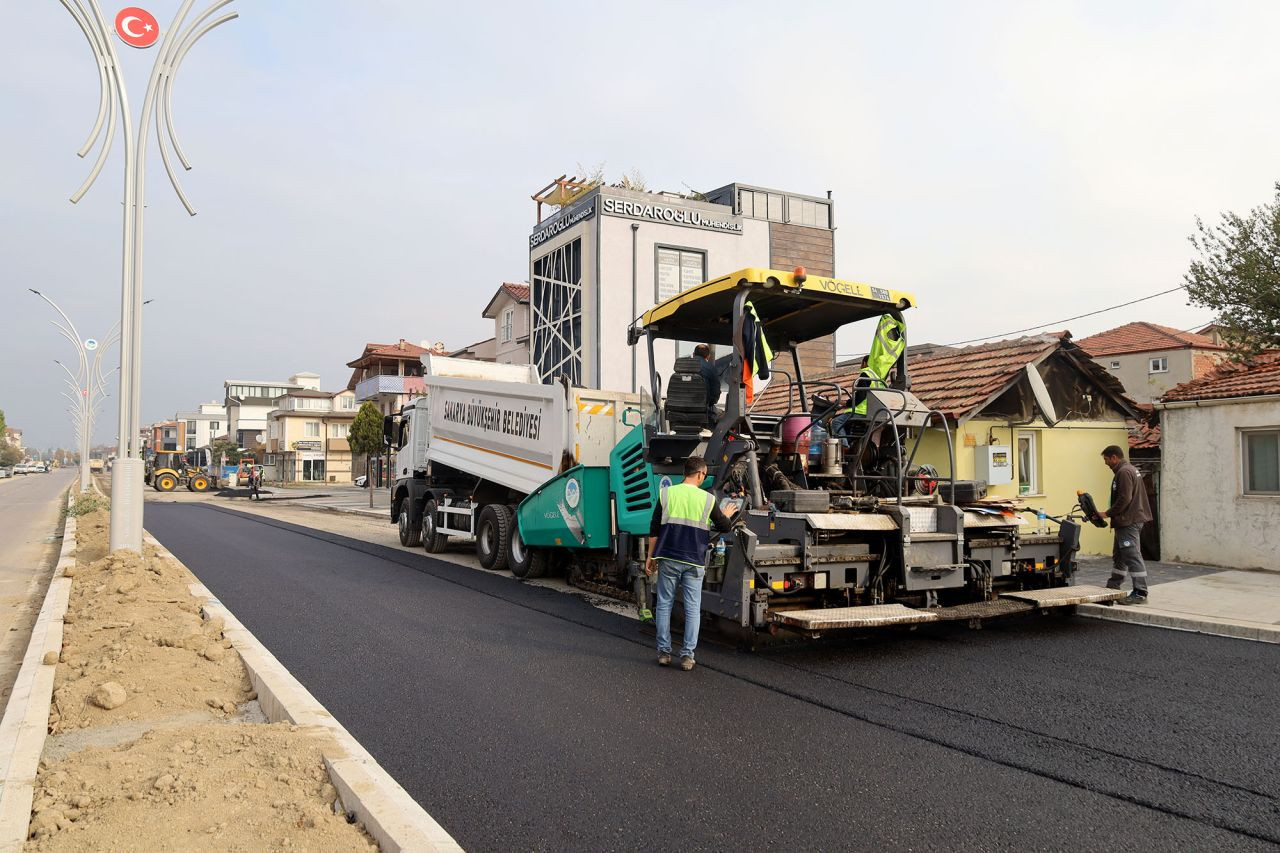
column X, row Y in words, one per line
column 1070, row 460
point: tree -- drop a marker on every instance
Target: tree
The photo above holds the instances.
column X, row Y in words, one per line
column 1238, row 275
column 9, row 455
column 2, row 424
column 366, row 437
column 230, row 448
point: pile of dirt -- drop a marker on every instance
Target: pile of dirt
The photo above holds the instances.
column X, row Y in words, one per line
column 135, row 646
column 163, row 695
column 220, row 787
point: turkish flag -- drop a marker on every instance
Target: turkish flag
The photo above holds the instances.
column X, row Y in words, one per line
column 137, row 27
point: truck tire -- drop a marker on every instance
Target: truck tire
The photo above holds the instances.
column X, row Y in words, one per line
column 199, row 483
column 409, row 528
column 166, row 482
column 432, row 540
column 525, row 563
column 493, row 537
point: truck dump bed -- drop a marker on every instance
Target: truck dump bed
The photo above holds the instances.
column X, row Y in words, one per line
column 516, row 433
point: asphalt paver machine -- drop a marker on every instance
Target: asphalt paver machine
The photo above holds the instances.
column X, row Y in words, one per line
column 857, row 535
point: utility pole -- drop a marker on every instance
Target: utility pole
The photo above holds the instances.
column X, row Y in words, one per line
column 139, row 29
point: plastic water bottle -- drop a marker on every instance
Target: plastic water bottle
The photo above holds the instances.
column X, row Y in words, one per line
column 720, row 552
column 817, row 438
column 1042, row 526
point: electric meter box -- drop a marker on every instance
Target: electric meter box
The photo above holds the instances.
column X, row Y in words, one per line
column 993, row 463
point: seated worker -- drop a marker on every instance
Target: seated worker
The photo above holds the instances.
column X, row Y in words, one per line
column 710, row 375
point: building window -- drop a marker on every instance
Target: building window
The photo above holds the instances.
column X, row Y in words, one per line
column 1158, row 365
column 347, row 404
column 339, row 430
column 191, row 442
column 191, row 427
column 1028, row 463
column 556, row 314
column 761, row 205
column 508, row 321
column 313, row 470
column 803, row 211
column 1261, row 462
column 1115, row 365
column 678, row 270
column 313, row 429
column 214, row 427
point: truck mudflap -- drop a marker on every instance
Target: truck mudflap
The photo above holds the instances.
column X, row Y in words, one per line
column 1064, row 596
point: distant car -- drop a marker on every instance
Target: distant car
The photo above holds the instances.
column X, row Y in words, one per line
column 5, row 472
column 362, row 481
column 22, row 468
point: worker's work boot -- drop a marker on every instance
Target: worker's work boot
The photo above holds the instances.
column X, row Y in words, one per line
column 686, row 663
column 1132, row 598
column 664, row 658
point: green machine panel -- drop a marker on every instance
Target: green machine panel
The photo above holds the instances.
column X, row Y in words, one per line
column 570, row 510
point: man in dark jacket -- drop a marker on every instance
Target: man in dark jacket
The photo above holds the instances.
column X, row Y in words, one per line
column 1128, row 512
column 707, row 369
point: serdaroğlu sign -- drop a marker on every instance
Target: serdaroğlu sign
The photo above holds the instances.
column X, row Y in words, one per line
column 632, row 209
column 570, row 217
column 669, row 213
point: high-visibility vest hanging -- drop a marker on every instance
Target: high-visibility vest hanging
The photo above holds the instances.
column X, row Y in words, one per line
column 756, row 354
column 887, row 347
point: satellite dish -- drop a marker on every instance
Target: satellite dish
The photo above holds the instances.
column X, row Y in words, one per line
column 91, row 344
column 1041, row 394
column 260, row 438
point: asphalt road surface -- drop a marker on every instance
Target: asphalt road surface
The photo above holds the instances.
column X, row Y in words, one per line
column 30, row 507
column 523, row 718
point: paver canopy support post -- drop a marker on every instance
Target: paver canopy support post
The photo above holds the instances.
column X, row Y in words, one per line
column 113, row 110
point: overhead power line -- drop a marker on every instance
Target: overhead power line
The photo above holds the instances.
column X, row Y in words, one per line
column 1068, row 319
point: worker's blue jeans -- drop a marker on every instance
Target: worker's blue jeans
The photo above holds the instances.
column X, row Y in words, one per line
column 689, row 579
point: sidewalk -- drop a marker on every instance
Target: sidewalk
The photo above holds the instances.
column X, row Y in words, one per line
column 345, row 499
column 1203, row 599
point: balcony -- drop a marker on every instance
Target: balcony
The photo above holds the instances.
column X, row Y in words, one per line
column 373, row 386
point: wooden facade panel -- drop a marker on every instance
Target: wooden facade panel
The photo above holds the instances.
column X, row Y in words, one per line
column 814, row 249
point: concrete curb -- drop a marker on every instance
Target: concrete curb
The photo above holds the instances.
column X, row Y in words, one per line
column 387, row 811
column 26, row 718
column 1142, row 615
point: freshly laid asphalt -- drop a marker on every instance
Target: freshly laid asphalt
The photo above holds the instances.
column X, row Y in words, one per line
column 524, row 718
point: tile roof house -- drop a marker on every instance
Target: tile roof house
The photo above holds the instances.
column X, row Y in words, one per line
column 390, row 374
column 1220, row 443
column 985, row 393
column 1149, row 359
column 509, row 310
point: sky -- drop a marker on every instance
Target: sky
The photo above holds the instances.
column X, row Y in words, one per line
column 362, row 171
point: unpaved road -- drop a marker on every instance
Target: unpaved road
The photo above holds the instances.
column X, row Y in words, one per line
column 520, row 717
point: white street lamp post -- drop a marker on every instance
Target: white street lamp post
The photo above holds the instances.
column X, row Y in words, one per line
column 113, row 107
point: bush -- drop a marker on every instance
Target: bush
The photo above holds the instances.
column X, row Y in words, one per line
column 87, row 503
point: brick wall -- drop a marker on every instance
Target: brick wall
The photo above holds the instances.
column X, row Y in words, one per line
column 794, row 246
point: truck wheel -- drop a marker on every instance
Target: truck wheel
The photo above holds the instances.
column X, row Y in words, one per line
column 166, row 483
column 493, row 537
column 200, row 484
column 410, row 528
column 525, row 562
column 431, row 538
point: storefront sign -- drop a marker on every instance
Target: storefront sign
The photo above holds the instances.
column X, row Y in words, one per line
column 567, row 218
column 306, row 445
column 667, row 213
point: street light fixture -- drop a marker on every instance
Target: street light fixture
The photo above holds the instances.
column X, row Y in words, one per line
column 88, row 383
column 113, row 106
